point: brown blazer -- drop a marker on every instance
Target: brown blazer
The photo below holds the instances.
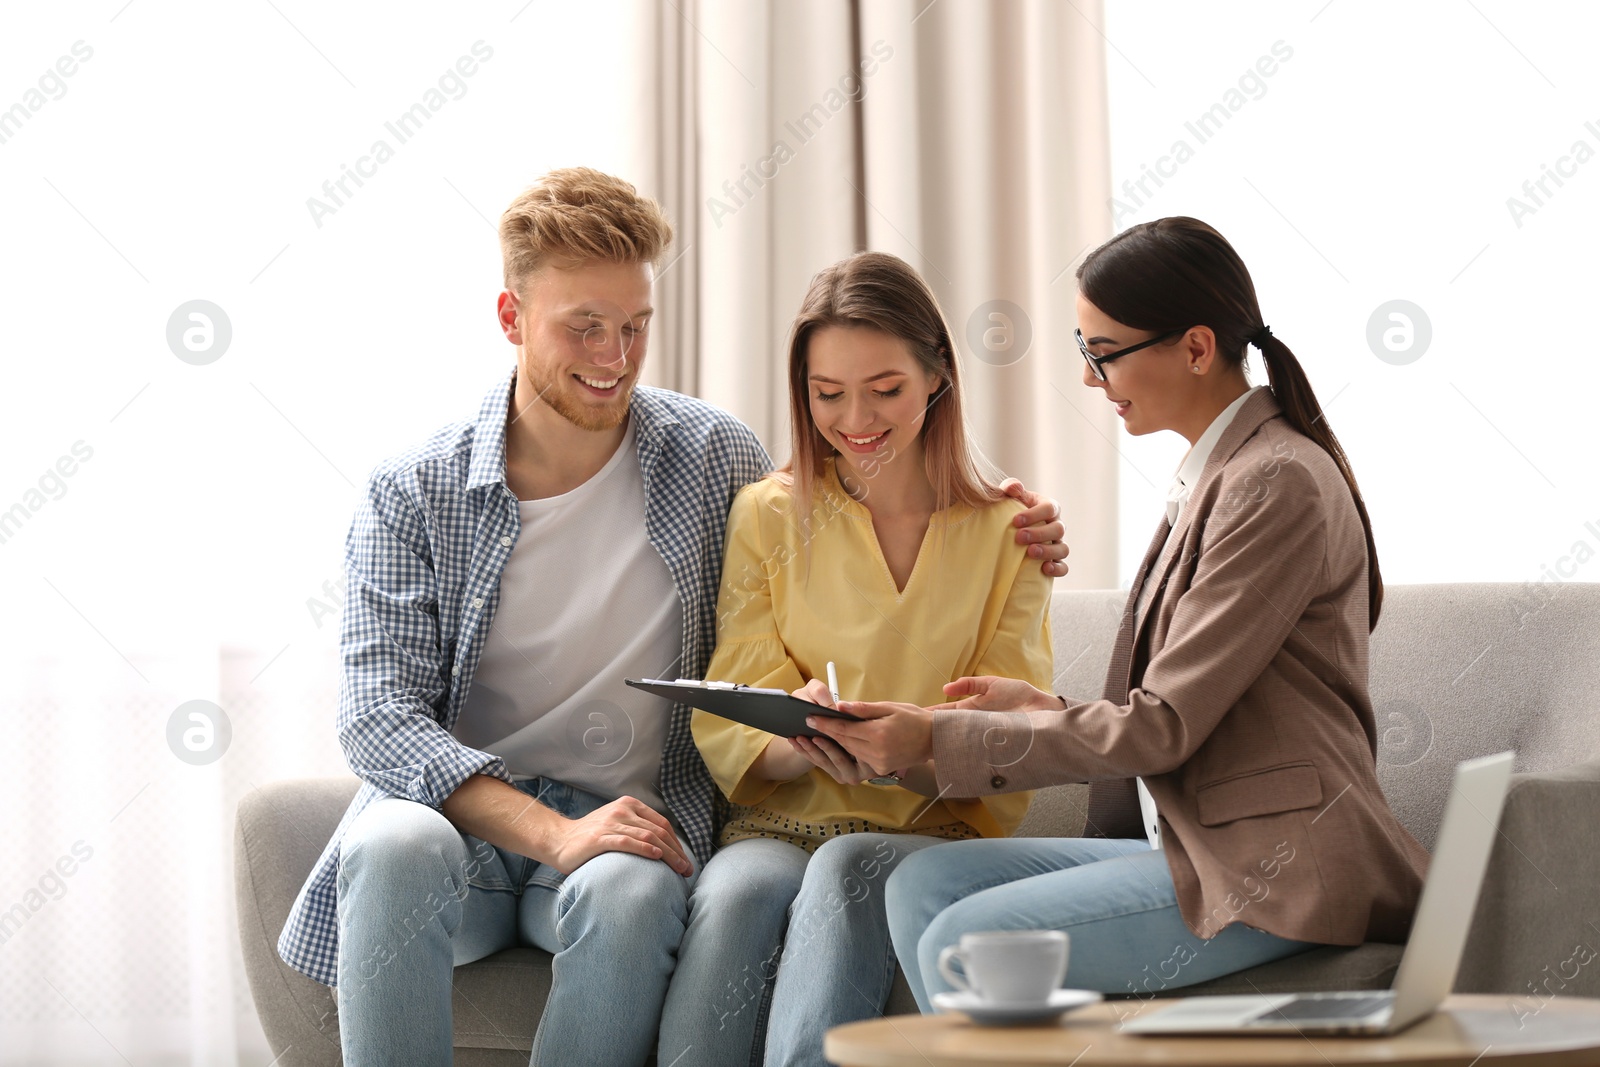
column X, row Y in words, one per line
column 1242, row 701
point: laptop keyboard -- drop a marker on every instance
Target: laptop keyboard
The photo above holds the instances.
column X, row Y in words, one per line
column 1308, row 1009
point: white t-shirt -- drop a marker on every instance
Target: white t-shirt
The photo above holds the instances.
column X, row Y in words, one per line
column 585, row 601
column 1189, row 471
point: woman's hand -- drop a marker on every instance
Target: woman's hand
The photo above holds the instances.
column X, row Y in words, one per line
column 839, row 764
column 821, row 752
column 989, row 693
column 787, row 758
column 891, row 735
column 814, row 692
column 780, row 762
column 1041, row 529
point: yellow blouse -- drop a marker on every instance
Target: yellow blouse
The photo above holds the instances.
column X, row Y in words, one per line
column 974, row 604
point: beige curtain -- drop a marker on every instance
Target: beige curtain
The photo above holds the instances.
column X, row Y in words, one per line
column 967, row 137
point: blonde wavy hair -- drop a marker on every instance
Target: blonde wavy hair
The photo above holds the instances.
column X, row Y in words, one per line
column 579, row 215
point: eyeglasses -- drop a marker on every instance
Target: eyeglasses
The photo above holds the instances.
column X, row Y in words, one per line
column 1097, row 362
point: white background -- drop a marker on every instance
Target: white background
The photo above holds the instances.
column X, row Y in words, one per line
column 217, row 501
column 183, row 559
column 1376, row 166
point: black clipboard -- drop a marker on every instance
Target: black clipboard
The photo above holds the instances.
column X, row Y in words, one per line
column 772, row 710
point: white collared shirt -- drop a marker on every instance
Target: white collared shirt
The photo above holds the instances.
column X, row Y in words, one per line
column 1183, row 483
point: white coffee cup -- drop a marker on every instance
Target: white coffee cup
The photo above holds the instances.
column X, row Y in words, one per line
column 1008, row 967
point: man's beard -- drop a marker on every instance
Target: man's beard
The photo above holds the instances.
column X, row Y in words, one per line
column 553, row 391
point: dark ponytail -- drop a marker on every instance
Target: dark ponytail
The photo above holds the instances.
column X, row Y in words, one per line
column 1300, row 408
column 1178, row 272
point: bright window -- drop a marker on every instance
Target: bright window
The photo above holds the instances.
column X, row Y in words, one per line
column 1357, row 153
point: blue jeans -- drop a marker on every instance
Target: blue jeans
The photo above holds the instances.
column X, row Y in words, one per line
column 418, row 898
column 768, row 929
column 1114, row 898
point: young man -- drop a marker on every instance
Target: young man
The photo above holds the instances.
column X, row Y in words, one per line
column 503, row 578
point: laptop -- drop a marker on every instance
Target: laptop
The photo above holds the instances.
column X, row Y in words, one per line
column 1433, row 952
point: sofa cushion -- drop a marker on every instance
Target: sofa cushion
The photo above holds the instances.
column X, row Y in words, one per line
column 1457, row 671
column 498, row 999
column 1369, row 966
column 1465, row 670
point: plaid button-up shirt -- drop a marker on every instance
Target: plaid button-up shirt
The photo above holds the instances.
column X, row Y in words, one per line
column 423, row 561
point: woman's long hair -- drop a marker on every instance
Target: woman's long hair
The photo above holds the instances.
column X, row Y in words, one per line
column 1178, row 272
column 878, row 291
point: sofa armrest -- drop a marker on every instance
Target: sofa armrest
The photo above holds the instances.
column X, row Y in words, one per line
column 279, row 831
column 1534, row 934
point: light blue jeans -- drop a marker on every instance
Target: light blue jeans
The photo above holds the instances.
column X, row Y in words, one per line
column 768, row 929
column 1113, row 897
column 418, row 898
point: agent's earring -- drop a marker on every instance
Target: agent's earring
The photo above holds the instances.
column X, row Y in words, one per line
column 1195, row 369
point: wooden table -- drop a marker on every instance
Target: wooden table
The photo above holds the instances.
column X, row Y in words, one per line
column 1466, row 1030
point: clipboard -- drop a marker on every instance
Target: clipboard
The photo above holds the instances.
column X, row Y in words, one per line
column 772, row 710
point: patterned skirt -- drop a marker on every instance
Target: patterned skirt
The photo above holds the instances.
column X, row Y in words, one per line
column 747, row 822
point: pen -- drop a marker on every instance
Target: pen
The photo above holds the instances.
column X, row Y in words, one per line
column 833, row 683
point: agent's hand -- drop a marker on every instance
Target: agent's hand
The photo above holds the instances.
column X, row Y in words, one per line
column 624, row 825
column 988, row 693
column 1040, row 528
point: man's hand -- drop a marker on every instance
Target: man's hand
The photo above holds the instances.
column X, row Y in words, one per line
column 989, row 693
column 1041, row 528
column 502, row 815
column 624, row 825
column 891, row 735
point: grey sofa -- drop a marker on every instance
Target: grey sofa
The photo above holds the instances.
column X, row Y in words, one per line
column 1457, row 671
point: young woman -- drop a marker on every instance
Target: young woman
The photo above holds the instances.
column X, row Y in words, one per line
column 1237, row 692
column 884, row 547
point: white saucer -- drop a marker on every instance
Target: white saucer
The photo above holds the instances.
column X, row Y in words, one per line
column 988, row 1013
